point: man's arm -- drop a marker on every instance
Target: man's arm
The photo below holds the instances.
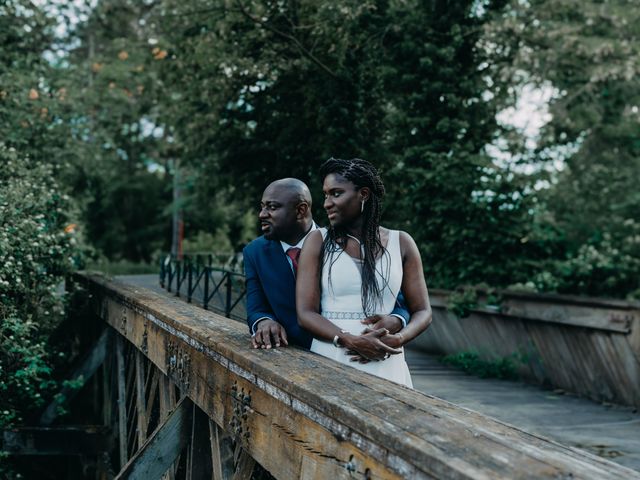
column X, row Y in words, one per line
column 400, row 310
column 261, row 320
column 394, row 322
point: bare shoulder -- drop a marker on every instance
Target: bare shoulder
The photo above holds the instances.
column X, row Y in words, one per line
column 407, row 244
column 314, row 241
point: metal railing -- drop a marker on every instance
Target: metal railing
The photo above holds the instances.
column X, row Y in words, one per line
column 201, row 278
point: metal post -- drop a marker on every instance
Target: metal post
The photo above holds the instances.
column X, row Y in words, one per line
column 178, row 281
column 205, row 300
column 190, row 280
column 162, row 272
column 227, row 307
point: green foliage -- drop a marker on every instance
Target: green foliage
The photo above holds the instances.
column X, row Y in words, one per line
column 597, row 268
column 38, row 247
column 503, row 368
column 589, row 52
column 398, row 83
column 462, row 301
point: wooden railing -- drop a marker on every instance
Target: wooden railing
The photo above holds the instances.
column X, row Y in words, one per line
column 583, row 345
column 194, row 401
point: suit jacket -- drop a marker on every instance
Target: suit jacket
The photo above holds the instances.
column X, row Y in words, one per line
column 271, row 289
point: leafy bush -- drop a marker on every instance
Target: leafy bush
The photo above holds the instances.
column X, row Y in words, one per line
column 471, row 363
column 38, row 246
column 598, row 268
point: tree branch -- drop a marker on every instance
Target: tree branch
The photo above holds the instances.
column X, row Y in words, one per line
column 291, row 38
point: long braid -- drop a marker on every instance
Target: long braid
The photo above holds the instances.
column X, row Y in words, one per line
column 362, row 174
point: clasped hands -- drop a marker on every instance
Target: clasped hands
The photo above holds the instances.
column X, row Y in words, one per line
column 378, row 340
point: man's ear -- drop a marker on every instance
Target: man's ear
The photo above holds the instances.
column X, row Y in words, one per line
column 302, row 209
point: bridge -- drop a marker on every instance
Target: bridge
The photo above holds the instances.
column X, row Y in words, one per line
column 182, row 396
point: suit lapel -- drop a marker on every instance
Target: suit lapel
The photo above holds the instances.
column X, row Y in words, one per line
column 278, row 261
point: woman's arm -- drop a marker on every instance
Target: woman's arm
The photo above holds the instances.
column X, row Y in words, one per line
column 415, row 292
column 308, row 306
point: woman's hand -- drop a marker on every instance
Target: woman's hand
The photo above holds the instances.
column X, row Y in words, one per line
column 369, row 346
column 391, row 340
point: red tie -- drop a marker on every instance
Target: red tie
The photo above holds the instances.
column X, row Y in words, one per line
column 294, row 254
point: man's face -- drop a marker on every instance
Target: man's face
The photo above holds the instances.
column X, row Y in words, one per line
column 278, row 213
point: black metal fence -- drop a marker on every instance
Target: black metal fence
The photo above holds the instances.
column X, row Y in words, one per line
column 201, row 279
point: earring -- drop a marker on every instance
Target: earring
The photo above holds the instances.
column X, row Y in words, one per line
column 362, row 206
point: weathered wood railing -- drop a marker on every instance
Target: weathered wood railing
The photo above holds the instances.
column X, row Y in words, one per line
column 586, row 346
column 187, row 379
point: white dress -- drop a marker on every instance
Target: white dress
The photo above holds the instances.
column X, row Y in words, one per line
column 341, row 303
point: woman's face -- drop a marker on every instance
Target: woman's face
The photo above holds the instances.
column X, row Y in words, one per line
column 342, row 200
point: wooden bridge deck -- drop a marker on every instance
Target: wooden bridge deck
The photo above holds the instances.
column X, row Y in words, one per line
column 608, row 431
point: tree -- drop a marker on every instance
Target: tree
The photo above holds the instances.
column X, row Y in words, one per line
column 118, row 146
column 590, row 53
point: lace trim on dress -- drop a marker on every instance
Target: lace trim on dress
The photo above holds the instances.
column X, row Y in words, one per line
column 343, row 315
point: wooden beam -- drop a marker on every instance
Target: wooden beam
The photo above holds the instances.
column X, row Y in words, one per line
column 122, row 403
column 215, row 438
column 303, row 416
column 87, row 440
column 166, row 406
column 85, row 370
column 199, row 461
column 221, row 452
column 163, row 447
column 141, row 404
column 153, row 392
column 245, row 466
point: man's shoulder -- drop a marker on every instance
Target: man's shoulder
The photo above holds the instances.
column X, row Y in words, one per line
column 255, row 245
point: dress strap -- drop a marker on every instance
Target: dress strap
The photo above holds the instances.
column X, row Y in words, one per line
column 393, row 247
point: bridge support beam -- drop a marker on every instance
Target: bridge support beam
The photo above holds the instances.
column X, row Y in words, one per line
column 162, row 448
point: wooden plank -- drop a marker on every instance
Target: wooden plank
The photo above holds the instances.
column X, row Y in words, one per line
column 301, row 415
column 601, row 314
column 122, row 407
column 162, row 448
column 88, row 366
column 245, row 466
column 141, row 404
column 560, row 354
column 90, row 440
column 215, row 439
column 166, row 406
column 153, row 392
column 200, row 466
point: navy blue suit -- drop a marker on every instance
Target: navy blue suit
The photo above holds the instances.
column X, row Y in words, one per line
column 271, row 289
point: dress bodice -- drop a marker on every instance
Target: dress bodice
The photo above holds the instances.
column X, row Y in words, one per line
column 342, row 281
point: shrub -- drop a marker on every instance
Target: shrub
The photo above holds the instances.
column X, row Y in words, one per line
column 38, row 246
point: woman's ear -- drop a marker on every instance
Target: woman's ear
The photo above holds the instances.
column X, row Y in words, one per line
column 364, row 194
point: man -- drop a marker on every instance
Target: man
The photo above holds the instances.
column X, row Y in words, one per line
column 270, row 263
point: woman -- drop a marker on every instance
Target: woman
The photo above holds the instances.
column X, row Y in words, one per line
column 362, row 267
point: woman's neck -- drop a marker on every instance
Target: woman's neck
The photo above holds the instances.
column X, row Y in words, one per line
column 355, row 230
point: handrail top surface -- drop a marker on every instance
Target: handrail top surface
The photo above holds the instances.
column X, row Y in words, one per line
column 556, row 298
column 426, row 432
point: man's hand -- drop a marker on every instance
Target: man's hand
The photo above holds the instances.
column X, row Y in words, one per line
column 369, row 346
column 269, row 333
column 376, row 322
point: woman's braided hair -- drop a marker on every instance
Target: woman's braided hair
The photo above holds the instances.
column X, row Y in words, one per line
column 362, row 174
